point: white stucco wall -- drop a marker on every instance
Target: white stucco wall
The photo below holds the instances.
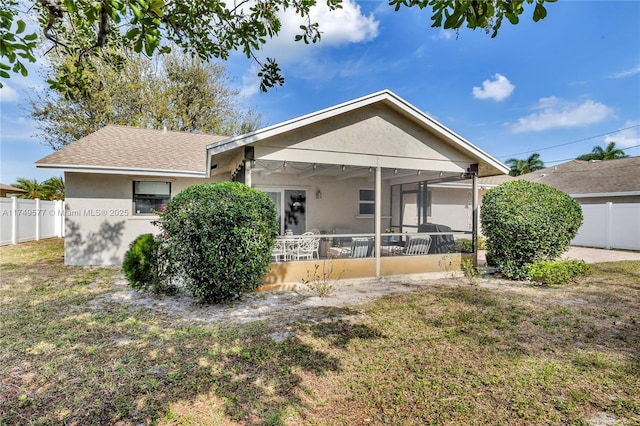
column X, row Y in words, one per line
column 99, row 220
column 338, row 207
column 451, row 207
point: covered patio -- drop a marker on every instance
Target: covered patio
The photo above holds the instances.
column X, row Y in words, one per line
column 353, row 186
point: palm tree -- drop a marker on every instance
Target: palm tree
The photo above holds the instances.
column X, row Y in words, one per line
column 53, row 188
column 599, row 153
column 528, row 165
column 33, row 188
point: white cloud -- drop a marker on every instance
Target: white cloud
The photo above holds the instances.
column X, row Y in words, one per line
column 628, row 137
column 8, row 94
column 338, row 27
column 556, row 112
column 498, row 89
column 444, row 35
column 626, row 73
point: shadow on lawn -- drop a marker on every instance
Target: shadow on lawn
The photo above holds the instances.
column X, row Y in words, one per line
column 122, row 367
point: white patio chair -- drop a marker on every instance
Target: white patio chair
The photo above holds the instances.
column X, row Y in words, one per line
column 305, row 249
column 418, row 245
column 279, row 251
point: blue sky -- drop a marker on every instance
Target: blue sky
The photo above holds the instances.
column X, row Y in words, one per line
column 557, row 87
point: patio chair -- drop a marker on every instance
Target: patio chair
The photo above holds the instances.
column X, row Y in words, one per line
column 418, row 245
column 279, row 251
column 307, row 247
column 360, row 247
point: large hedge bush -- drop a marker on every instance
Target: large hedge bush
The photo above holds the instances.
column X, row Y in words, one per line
column 526, row 222
column 220, row 237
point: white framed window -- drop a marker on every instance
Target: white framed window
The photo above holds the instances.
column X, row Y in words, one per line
column 367, row 200
column 150, row 196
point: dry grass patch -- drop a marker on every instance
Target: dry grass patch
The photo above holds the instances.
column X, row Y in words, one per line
column 449, row 353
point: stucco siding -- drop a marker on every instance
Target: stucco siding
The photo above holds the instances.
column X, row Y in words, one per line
column 99, row 219
column 452, row 207
column 339, row 205
column 375, row 131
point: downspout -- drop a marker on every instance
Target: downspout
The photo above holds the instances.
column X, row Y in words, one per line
column 378, row 217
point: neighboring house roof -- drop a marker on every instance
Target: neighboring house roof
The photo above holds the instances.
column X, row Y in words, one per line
column 577, row 178
column 490, row 181
column 488, row 164
column 123, row 149
column 8, row 188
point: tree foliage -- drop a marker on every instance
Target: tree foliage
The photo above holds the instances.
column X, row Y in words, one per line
column 50, row 189
column 610, row 152
column 526, row 222
column 524, row 166
column 219, row 238
column 207, row 29
column 176, row 91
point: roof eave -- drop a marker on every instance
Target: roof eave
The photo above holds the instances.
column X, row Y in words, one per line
column 121, row 170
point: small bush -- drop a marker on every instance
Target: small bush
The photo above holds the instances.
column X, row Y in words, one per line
column 465, row 245
column 560, row 272
column 145, row 265
column 219, row 238
column 526, row 222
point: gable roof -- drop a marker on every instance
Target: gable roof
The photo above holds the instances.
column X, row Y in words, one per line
column 488, row 164
column 124, row 150
column 595, row 178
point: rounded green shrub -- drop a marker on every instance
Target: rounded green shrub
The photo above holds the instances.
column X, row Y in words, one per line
column 219, row 238
column 526, row 222
column 143, row 265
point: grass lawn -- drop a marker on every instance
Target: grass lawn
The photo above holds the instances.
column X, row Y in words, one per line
column 450, row 354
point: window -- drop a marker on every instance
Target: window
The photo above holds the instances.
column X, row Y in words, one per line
column 367, row 202
column 150, row 196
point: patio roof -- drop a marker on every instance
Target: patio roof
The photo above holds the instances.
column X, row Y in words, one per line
column 380, row 129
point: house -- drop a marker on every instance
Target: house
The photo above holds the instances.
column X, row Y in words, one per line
column 359, row 168
column 594, row 182
column 8, row 190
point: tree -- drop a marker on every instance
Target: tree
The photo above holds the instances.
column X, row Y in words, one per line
column 33, row 188
column 207, row 29
column 176, row 91
column 524, row 166
column 53, row 188
column 599, row 153
column 526, row 222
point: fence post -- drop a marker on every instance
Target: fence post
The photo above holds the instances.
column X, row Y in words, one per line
column 14, row 220
column 37, row 219
column 608, row 226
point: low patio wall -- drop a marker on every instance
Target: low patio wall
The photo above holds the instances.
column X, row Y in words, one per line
column 295, row 272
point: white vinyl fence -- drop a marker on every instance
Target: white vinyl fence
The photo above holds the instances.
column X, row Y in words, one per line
column 28, row 220
column 610, row 226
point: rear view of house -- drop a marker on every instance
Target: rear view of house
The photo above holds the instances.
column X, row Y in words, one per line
column 366, row 168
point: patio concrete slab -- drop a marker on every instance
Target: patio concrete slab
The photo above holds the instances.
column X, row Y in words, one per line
column 594, row 255
column 589, row 255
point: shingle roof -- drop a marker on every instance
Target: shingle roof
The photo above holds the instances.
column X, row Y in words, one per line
column 131, row 148
column 495, row 180
column 591, row 177
column 10, row 188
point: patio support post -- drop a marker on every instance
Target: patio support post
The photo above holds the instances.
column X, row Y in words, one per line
column 474, row 225
column 378, row 217
column 247, row 173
